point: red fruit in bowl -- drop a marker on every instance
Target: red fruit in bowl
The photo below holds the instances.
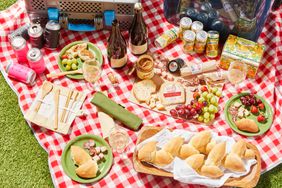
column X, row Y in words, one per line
column 199, row 105
column 254, row 109
column 261, row 106
column 180, row 107
column 173, row 113
column 199, row 111
column 181, row 112
column 261, row 118
column 193, row 112
column 204, row 88
column 193, row 102
column 189, row 107
column 187, row 112
column 258, row 101
column 189, row 117
column 196, row 95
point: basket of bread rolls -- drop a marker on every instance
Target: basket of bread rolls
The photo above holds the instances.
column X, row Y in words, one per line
column 197, row 158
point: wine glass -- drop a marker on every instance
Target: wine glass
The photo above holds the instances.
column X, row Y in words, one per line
column 119, row 140
column 92, row 73
column 237, row 72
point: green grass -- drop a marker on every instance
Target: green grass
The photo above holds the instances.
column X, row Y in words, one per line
column 23, row 163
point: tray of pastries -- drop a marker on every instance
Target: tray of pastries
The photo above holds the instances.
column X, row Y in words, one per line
column 214, row 159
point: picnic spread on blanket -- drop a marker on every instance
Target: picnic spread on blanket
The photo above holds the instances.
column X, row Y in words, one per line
column 148, row 93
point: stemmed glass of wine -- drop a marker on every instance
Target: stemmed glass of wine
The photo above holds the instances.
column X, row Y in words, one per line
column 237, row 73
column 92, row 73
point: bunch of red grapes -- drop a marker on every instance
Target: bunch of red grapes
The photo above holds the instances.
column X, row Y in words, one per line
column 203, row 107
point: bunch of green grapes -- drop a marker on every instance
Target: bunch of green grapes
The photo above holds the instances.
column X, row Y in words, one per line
column 209, row 99
column 70, row 64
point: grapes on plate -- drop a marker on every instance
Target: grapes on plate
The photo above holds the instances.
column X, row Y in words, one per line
column 206, row 115
column 200, row 118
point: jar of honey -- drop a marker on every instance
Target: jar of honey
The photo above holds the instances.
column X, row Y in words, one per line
column 145, row 67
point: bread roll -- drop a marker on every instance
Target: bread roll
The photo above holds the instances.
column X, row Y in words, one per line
column 200, row 140
column 79, row 155
column 187, row 150
column 211, row 171
column 210, row 145
column 239, row 148
column 87, row 170
column 216, row 154
column 195, row 161
column 163, row 158
column 234, row 163
column 147, row 152
column 173, row 146
column 249, row 154
column 248, row 125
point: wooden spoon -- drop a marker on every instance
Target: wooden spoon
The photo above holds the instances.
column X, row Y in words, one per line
column 46, row 88
column 56, row 100
column 78, row 71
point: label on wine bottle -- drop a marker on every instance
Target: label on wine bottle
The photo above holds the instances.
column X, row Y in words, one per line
column 117, row 63
column 138, row 49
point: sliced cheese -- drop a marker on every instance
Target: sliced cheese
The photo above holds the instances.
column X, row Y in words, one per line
column 107, row 123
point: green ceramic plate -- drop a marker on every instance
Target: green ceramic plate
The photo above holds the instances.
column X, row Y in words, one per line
column 69, row 167
column 91, row 47
column 263, row 127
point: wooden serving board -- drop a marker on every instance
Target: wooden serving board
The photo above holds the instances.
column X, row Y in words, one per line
column 188, row 97
column 45, row 116
column 249, row 180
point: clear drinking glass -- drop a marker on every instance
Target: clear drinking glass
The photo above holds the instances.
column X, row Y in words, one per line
column 92, row 73
column 237, row 72
column 119, row 140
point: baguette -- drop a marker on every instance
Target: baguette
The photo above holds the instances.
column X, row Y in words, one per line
column 211, row 171
column 234, row 160
column 147, row 153
column 187, row 150
column 248, row 125
column 79, row 155
column 173, row 146
column 163, row 158
column 87, row 170
column 195, row 161
column 200, row 141
column 249, row 154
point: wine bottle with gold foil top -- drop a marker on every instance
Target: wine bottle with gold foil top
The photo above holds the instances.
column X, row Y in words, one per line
column 138, row 36
column 117, row 48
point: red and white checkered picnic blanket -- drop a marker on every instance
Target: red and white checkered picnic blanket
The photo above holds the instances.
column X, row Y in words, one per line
column 267, row 84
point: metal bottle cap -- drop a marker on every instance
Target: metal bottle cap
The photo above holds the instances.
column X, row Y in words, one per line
column 34, row 54
column 202, row 36
column 35, row 30
column 18, row 42
column 197, row 26
column 213, row 34
column 138, row 6
column 53, row 25
column 185, row 22
column 189, row 35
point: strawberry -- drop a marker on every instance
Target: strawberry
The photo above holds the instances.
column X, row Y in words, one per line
column 261, row 118
column 261, row 106
column 254, row 109
column 204, row 88
column 64, row 57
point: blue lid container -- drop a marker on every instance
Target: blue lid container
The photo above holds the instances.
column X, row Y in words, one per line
column 244, row 18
